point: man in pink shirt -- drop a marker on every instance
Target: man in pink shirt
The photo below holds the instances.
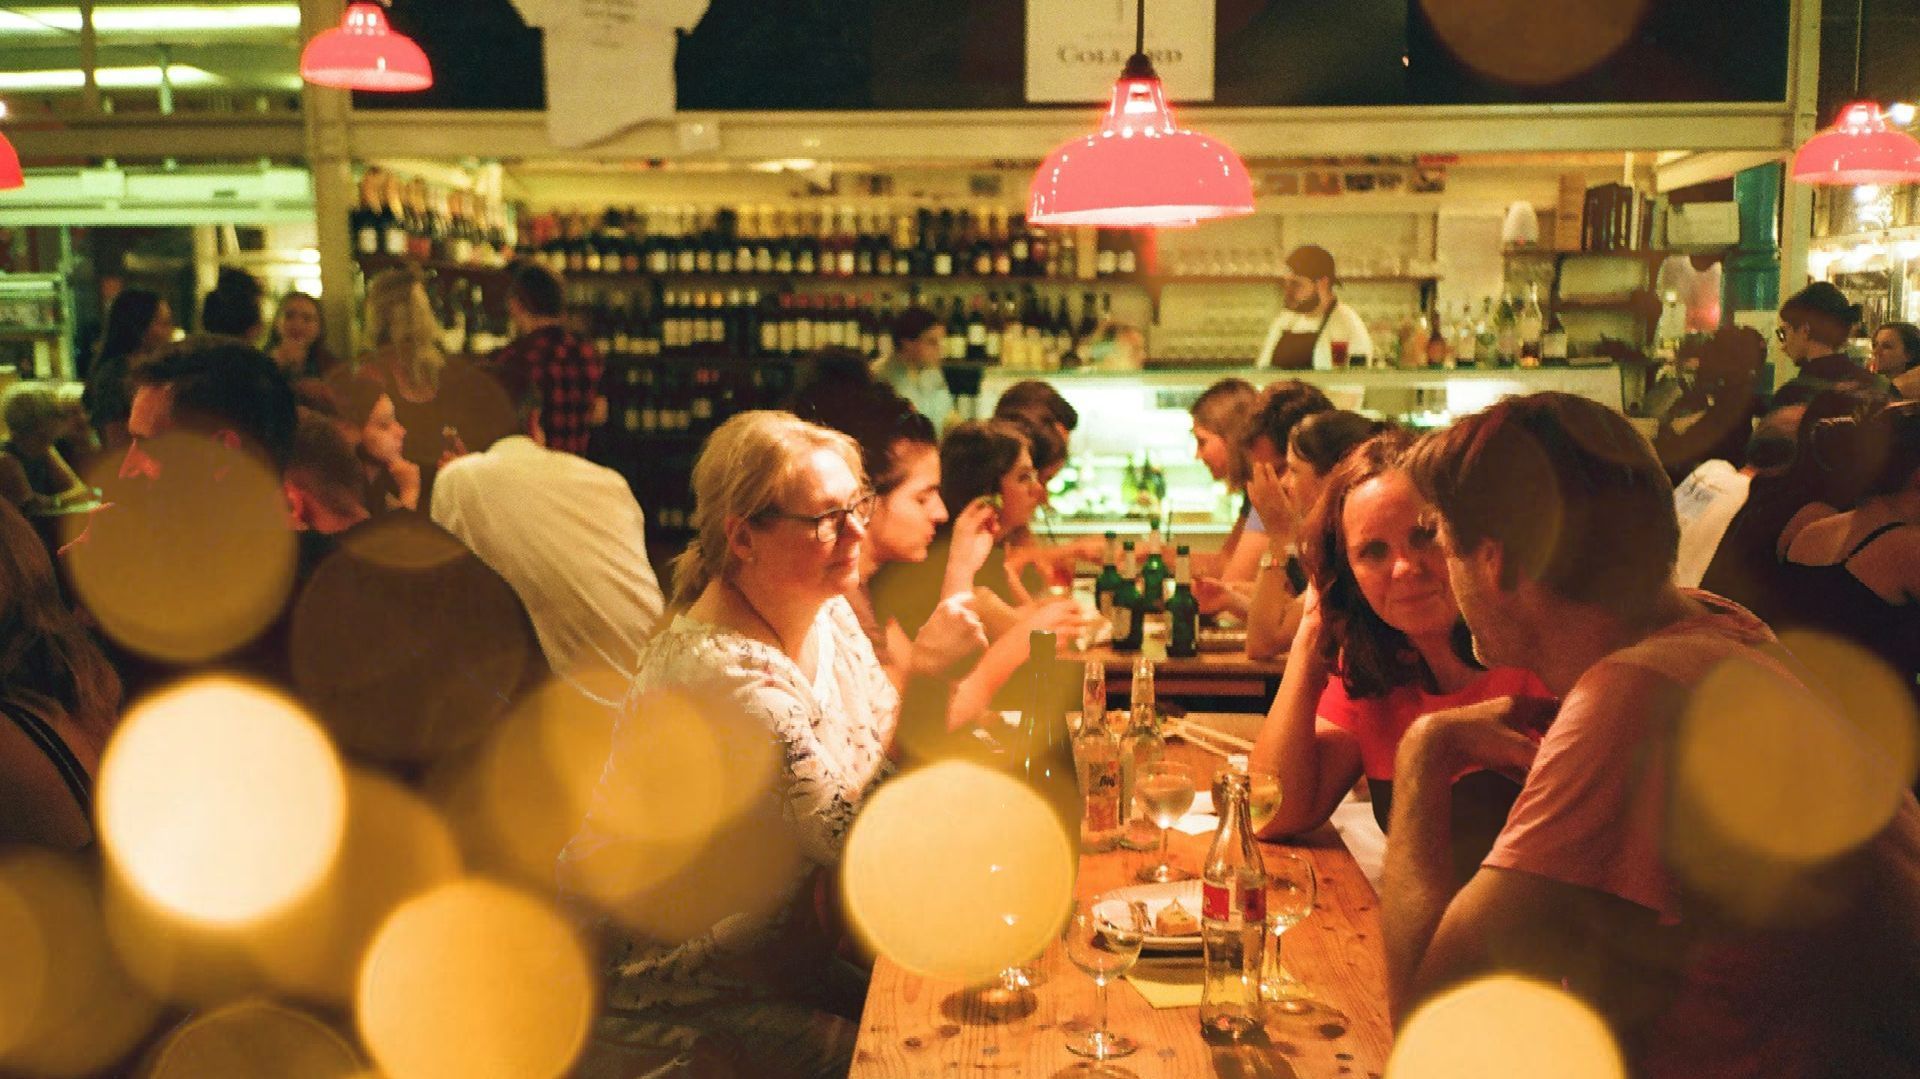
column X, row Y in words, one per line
column 1751, row 944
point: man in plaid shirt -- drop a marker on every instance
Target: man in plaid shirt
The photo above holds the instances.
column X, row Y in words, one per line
column 563, row 367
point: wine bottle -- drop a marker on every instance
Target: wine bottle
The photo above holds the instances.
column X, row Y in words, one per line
column 1183, row 610
column 1129, row 606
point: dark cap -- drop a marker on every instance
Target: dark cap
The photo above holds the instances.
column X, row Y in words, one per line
column 1312, row 262
column 913, row 322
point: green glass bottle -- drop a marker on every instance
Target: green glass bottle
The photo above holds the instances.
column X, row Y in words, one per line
column 1183, row 610
column 1153, row 574
column 1129, row 606
column 1109, row 579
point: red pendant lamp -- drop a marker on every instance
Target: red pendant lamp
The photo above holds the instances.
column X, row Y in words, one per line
column 1859, row 148
column 1139, row 170
column 10, row 174
column 363, row 53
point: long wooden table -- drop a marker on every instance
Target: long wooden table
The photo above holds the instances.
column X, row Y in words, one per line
column 916, row 1026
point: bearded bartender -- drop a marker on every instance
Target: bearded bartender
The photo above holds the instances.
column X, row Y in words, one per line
column 1313, row 319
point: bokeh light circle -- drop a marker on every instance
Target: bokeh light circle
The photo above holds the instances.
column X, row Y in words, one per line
column 252, row 1038
column 1533, row 42
column 396, row 847
column 958, row 871
column 1505, row 1027
column 474, row 979
column 220, row 801
column 67, row 1007
column 1774, row 771
column 192, row 564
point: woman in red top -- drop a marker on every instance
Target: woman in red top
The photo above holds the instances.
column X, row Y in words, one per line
column 1380, row 644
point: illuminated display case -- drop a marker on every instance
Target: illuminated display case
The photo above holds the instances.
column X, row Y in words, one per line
column 1137, row 418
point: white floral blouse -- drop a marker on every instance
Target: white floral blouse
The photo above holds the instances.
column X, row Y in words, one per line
column 832, row 732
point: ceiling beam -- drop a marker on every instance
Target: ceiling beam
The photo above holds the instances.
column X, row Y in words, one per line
column 1027, row 135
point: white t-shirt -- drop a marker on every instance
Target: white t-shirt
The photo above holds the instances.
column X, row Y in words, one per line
column 569, row 537
column 1705, row 502
column 1343, row 324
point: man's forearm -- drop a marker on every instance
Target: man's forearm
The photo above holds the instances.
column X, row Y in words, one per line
column 1417, row 882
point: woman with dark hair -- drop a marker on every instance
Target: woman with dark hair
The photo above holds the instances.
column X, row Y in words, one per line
column 1263, row 450
column 1896, row 356
column 367, row 419
column 1855, row 574
column 59, row 696
column 1380, row 644
column 985, row 464
column 232, row 308
column 297, row 341
column 139, row 325
column 1314, row 447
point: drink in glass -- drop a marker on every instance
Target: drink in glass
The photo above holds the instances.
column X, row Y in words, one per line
column 1291, row 887
column 1104, row 944
column 1263, row 798
column 1164, row 790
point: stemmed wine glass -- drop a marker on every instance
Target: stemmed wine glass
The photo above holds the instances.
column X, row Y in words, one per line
column 1290, row 893
column 1164, row 790
column 1104, row 942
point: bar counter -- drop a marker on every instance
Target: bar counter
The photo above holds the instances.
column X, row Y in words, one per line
column 916, row 1026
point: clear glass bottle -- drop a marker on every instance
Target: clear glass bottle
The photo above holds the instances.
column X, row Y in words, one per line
column 1233, row 919
column 1140, row 745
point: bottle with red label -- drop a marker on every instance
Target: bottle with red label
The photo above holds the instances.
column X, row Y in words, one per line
column 1233, row 918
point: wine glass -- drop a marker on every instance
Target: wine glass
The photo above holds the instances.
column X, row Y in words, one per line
column 1164, row 790
column 1263, row 798
column 1291, row 888
column 1104, row 942
column 1093, row 698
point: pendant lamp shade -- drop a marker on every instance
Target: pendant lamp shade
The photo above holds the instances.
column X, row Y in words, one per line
column 1858, row 149
column 10, row 174
column 1139, row 170
column 363, row 53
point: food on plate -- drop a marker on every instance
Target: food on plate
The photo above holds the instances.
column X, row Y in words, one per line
column 1175, row 920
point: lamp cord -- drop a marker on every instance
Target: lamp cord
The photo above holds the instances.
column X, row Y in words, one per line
column 1859, row 35
column 1140, row 36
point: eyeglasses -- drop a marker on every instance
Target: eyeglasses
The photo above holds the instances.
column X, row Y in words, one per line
column 1780, row 332
column 829, row 526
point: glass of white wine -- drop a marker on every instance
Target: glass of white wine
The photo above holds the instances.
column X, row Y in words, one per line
column 1263, row 798
column 1104, row 943
column 1291, row 888
column 1164, row 790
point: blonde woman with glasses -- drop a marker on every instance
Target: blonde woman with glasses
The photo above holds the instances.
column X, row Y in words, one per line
column 763, row 642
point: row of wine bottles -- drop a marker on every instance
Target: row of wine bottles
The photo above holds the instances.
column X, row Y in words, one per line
column 845, row 241
column 1017, row 329
column 410, row 218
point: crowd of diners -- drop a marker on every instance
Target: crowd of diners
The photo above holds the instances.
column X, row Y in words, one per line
column 1498, row 626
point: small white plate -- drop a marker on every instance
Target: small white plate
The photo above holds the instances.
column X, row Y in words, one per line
column 1156, row 896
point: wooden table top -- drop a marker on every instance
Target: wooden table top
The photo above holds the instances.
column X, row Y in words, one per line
column 916, row 1026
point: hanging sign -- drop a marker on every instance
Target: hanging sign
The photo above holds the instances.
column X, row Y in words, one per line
column 609, row 62
column 1076, row 48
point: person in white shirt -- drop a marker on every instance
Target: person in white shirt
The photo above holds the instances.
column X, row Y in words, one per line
column 570, row 538
column 914, row 369
column 1707, row 500
column 1313, row 319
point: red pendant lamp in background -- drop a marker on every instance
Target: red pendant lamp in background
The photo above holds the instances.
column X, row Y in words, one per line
column 1139, row 170
column 363, row 53
column 1859, row 148
column 10, row 174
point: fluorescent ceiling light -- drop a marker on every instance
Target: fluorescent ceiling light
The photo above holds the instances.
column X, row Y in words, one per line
column 151, row 18
column 112, row 78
